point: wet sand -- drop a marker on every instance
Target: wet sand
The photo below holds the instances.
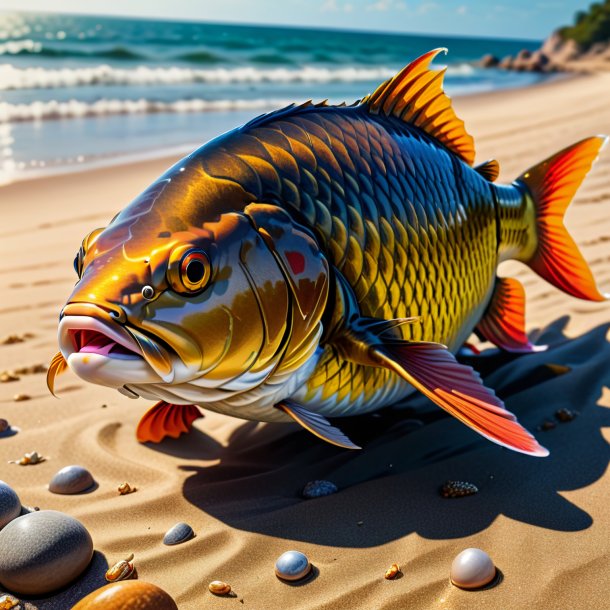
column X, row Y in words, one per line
column 545, row 522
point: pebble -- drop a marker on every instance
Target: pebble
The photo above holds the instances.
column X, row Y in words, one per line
column 547, row 425
column 30, row 370
column 29, row 459
column 12, row 339
column 126, row 594
column 458, row 489
column 217, row 587
column 292, row 565
column 71, row 480
column 43, row 551
column 126, row 488
column 181, row 532
column 21, row 397
column 122, row 570
column 565, row 415
column 317, row 489
column 8, row 601
column 472, row 569
column 10, row 505
column 4, row 425
column 7, row 377
column 392, row 572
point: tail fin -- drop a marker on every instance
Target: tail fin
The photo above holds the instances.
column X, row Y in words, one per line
column 552, row 184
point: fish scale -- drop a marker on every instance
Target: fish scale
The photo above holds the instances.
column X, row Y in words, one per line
column 324, row 261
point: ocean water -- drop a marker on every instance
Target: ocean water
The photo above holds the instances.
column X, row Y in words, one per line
column 79, row 91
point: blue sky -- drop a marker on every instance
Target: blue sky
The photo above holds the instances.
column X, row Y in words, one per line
column 504, row 18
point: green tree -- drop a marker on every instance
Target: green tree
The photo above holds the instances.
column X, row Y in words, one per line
column 590, row 26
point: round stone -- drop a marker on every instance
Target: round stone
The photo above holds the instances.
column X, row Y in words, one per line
column 71, row 480
column 181, row 532
column 43, row 551
column 472, row 568
column 317, row 489
column 127, row 595
column 292, row 565
column 10, row 505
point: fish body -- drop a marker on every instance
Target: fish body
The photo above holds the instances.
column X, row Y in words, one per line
column 323, row 261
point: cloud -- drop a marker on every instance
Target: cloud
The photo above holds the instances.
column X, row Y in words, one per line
column 427, row 7
column 334, row 6
column 386, row 5
column 461, row 10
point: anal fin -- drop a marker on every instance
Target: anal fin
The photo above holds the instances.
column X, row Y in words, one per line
column 504, row 320
column 490, row 170
column 316, row 424
column 165, row 419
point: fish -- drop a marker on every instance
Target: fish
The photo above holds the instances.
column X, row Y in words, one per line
column 324, row 261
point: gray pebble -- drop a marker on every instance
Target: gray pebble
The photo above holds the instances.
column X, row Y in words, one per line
column 10, row 505
column 292, row 565
column 317, row 489
column 71, row 480
column 43, row 551
column 181, row 532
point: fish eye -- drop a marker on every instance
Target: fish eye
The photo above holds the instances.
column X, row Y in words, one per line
column 148, row 292
column 189, row 270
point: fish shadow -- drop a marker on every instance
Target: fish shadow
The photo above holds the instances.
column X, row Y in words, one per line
column 391, row 487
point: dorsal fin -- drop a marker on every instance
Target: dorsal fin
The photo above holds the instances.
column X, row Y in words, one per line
column 489, row 170
column 415, row 95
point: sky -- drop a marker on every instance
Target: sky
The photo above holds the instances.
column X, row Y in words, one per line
column 533, row 19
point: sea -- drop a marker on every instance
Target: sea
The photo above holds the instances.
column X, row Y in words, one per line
column 85, row 91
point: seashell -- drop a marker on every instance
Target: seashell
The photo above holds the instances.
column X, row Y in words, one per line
column 317, row 489
column 43, row 551
column 126, row 488
column 565, row 415
column 217, row 587
column 181, row 532
column 122, row 570
column 10, row 505
column 4, row 425
column 71, row 480
column 472, row 568
column 29, row 459
column 292, row 565
column 392, row 572
column 458, row 489
column 7, row 377
column 21, row 397
column 8, row 601
column 127, row 594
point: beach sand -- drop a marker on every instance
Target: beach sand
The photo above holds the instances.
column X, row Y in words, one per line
column 545, row 522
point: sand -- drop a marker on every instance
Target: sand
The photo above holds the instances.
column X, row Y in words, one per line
column 545, row 522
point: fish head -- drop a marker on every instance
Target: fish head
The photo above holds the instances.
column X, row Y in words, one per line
column 222, row 305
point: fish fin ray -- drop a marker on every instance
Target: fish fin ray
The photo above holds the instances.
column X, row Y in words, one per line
column 415, row 95
column 504, row 320
column 316, row 424
column 457, row 389
column 57, row 367
column 490, row 170
column 165, row 419
column 552, row 184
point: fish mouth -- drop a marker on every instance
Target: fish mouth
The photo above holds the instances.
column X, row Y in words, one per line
column 105, row 352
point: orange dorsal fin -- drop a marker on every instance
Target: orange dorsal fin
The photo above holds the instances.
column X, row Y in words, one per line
column 415, row 95
column 490, row 170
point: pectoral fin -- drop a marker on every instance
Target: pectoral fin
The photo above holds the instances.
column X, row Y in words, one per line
column 504, row 321
column 165, row 419
column 316, row 424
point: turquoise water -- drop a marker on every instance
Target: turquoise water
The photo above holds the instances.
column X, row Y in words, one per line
column 78, row 91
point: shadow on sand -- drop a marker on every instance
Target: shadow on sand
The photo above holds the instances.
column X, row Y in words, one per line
column 391, row 487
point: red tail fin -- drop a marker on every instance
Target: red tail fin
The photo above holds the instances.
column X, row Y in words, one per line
column 552, row 184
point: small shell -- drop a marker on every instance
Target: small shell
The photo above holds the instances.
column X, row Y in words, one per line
column 126, row 488
column 472, row 569
column 392, row 572
column 565, row 415
column 7, row 377
column 317, row 489
column 181, row 532
column 217, row 587
column 458, row 489
column 71, row 480
column 4, row 425
column 21, row 397
column 8, row 601
column 122, row 570
column 29, row 459
column 292, row 565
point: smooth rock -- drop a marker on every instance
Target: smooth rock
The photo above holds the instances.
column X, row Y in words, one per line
column 181, row 532
column 127, row 595
column 472, row 568
column 317, row 489
column 10, row 505
column 71, row 480
column 292, row 565
column 43, row 551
